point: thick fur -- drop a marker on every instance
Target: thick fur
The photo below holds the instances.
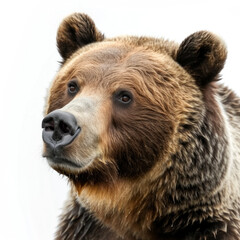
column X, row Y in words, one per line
column 166, row 166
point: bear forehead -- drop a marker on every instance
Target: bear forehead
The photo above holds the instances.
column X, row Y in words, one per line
column 101, row 60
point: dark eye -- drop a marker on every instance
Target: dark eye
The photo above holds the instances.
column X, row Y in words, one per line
column 72, row 88
column 123, row 97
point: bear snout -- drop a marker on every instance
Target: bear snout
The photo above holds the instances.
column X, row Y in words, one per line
column 59, row 129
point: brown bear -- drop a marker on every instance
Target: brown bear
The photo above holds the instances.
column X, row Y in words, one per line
column 149, row 139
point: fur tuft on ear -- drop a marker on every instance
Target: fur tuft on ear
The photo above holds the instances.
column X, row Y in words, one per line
column 203, row 55
column 76, row 31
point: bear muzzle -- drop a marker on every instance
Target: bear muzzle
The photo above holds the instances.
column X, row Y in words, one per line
column 73, row 135
column 59, row 130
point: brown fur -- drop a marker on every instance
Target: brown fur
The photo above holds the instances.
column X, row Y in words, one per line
column 69, row 30
column 166, row 166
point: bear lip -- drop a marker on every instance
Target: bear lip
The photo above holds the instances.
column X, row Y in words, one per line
column 62, row 161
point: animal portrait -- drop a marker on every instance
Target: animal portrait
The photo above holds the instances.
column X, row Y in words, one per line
column 147, row 135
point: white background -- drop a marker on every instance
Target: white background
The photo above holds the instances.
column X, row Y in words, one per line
column 31, row 194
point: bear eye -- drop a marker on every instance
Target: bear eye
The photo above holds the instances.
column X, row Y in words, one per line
column 72, row 88
column 123, row 97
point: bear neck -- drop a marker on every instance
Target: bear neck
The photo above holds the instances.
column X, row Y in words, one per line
column 201, row 169
column 203, row 158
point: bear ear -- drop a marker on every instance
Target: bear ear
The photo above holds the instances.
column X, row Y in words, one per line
column 76, row 31
column 203, row 55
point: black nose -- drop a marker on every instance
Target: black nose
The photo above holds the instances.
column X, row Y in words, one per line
column 59, row 129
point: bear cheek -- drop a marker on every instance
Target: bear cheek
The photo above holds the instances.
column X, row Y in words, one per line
column 135, row 147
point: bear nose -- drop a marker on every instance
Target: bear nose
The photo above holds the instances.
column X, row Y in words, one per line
column 59, row 129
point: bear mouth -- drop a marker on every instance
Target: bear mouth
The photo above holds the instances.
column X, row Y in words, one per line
column 64, row 165
column 57, row 161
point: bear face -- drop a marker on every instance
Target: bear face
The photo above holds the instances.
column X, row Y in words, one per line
column 115, row 117
column 138, row 126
